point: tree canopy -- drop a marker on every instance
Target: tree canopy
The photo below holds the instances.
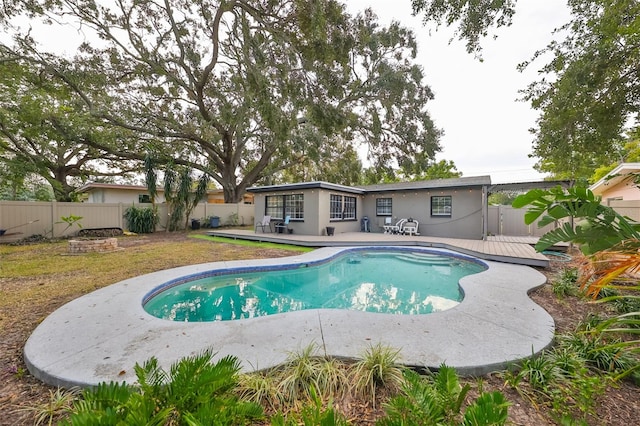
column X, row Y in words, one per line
column 43, row 133
column 589, row 92
column 226, row 87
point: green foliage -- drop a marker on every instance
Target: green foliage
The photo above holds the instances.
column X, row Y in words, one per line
column 561, row 380
column 566, row 284
column 473, row 17
column 538, row 371
column 603, row 228
column 598, row 353
column 261, row 388
column 194, row 391
column 438, row 400
column 179, row 192
column 232, row 102
column 59, row 404
column 305, row 372
column 378, row 368
column 141, row 220
column 491, row 408
column 586, row 106
column 313, row 414
column 44, row 132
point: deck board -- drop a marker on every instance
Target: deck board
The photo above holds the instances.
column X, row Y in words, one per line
column 516, row 250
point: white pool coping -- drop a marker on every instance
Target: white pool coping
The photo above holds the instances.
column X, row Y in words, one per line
column 100, row 337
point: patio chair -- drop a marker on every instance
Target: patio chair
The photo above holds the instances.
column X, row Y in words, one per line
column 266, row 222
column 410, row 227
column 282, row 226
column 387, row 225
column 397, row 228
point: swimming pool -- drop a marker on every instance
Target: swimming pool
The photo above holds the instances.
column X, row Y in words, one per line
column 396, row 281
column 100, row 336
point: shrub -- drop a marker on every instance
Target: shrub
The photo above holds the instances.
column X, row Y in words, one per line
column 378, row 367
column 141, row 220
column 438, row 400
column 194, row 391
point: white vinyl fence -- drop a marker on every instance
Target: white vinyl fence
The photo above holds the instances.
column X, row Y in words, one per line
column 21, row 219
column 506, row 220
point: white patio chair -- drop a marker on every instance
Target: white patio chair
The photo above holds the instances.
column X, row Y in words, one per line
column 410, row 228
column 266, row 222
column 397, row 228
column 387, row 225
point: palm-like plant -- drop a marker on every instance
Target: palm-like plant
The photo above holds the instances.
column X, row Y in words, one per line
column 610, row 241
column 194, row 391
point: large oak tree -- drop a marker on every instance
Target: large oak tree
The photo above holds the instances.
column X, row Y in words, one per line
column 43, row 132
column 225, row 86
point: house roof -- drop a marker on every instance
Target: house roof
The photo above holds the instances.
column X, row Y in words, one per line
column 90, row 186
column 614, row 177
column 463, row 182
column 307, row 185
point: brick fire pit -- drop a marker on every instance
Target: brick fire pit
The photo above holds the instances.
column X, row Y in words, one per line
column 102, row 245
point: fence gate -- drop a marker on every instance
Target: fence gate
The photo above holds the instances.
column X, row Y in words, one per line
column 506, row 220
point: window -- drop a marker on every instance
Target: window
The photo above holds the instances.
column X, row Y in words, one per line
column 441, row 206
column 335, row 212
column 280, row 206
column 349, row 208
column 342, row 207
column 383, row 206
column 294, row 206
column 144, row 198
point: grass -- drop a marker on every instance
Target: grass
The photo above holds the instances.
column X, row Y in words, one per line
column 257, row 244
column 33, row 275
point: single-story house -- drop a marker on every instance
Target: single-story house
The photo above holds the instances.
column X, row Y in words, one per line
column 454, row 208
column 618, row 185
column 132, row 194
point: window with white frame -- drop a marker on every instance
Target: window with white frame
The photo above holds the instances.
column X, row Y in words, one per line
column 383, row 206
column 280, row 206
column 441, row 205
column 294, row 206
column 342, row 207
column 335, row 207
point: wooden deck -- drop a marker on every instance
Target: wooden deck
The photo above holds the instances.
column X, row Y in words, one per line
column 516, row 250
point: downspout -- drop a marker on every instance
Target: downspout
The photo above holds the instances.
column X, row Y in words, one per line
column 485, row 212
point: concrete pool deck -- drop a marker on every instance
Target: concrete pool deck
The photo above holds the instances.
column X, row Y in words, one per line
column 100, row 337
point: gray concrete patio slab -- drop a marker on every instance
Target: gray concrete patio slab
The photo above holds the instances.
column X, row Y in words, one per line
column 101, row 336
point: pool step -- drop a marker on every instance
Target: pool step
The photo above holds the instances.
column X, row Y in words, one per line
column 427, row 259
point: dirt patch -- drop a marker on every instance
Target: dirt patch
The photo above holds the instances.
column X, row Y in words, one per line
column 19, row 390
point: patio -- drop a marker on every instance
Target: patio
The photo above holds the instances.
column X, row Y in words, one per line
column 515, row 250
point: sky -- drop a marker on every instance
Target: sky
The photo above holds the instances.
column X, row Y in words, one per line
column 486, row 130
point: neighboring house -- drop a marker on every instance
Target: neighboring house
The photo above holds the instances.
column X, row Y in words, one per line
column 131, row 194
column 216, row 196
column 618, row 185
column 116, row 193
column 454, row 208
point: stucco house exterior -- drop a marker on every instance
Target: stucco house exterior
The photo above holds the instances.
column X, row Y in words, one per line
column 617, row 185
column 117, row 193
column 134, row 194
column 453, row 208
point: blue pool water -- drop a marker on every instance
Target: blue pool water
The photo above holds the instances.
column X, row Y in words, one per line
column 390, row 281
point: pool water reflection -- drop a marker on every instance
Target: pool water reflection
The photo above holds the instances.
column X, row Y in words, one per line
column 398, row 281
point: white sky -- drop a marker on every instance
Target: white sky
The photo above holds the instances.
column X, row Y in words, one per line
column 486, row 130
